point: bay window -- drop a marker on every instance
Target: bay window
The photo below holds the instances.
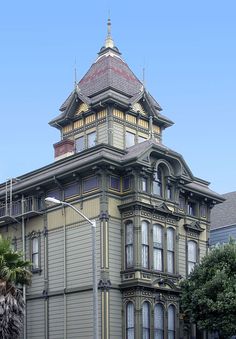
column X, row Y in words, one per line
column 158, row 322
column 130, row 320
column 170, row 250
column 129, row 245
column 145, row 245
column 146, row 320
column 158, row 247
column 171, row 322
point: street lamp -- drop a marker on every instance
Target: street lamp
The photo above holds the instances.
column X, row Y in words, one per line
column 95, row 290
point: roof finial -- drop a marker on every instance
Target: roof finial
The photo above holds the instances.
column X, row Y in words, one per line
column 109, row 43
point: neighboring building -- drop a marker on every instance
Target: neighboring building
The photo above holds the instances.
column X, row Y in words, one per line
column 223, row 220
column 152, row 214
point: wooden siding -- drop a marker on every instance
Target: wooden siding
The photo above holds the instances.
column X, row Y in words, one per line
column 55, row 260
column 202, row 249
column 103, row 133
column 115, row 314
column 115, row 251
column 182, row 255
column 35, row 319
column 56, row 317
column 118, row 135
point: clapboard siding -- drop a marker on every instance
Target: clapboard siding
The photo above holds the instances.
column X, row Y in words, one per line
column 79, row 255
column 35, row 319
column 55, row 260
column 222, row 235
column 115, row 251
column 56, row 317
column 103, row 133
column 118, row 135
column 115, row 314
column 182, row 256
column 202, row 249
column 79, row 315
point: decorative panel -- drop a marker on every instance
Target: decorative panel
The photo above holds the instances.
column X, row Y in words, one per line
column 117, row 113
column 90, row 119
column 102, row 114
column 156, row 129
column 137, row 107
column 130, row 118
column 67, row 128
column 143, row 123
column 82, row 108
column 78, row 123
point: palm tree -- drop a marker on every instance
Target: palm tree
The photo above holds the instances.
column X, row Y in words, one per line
column 14, row 273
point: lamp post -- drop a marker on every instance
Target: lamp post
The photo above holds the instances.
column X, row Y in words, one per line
column 95, row 290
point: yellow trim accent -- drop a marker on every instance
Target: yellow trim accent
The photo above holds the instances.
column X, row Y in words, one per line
column 117, row 113
column 90, row 119
column 102, row 114
column 156, row 129
column 67, row 128
column 78, row 123
column 82, row 108
column 143, row 123
column 130, row 118
column 137, row 107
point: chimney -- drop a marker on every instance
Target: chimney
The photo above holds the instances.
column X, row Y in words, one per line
column 63, row 149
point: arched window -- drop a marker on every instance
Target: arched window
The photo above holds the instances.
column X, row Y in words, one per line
column 192, row 255
column 158, row 247
column 146, row 320
column 145, row 245
column 129, row 245
column 170, row 250
column 171, row 322
column 130, row 320
column 158, row 321
column 158, row 184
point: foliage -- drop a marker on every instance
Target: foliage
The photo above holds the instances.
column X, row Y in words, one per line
column 13, row 273
column 209, row 293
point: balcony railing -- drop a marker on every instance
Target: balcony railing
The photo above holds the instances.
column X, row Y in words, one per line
column 29, row 206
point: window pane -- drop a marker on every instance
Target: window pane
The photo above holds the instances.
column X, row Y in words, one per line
column 141, row 139
column 158, row 322
column 157, row 259
column 144, row 233
column 79, row 144
column 145, row 256
column 130, row 320
column 91, row 139
column 35, row 260
column 129, row 245
column 90, row 184
column 171, row 322
column 144, row 184
column 146, row 320
column 157, row 235
column 35, row 245
column 129, row 233
column 170, row 239
column 126, row 183
column 170, row 262
column 71, row 190
column 192, row 251
column 129, row 139
column 129, row 256
column 54, row 194
column 115, row 183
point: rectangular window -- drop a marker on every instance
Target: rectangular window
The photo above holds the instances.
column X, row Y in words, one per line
column 90, row 184
column 191, row 208
column 35, row 253
column 144, row 184
column 170, row 250
column 71, row 189
column 157, row 247
column 91, row 139
column 55, row 194
column 126, row 183
column 203, row 210
column 129, row 139
column 192, row 255
column 145, row 245
column 181, row 202
column 169, row 191
column 129, row 245
column 79, row 144
column 115, row 183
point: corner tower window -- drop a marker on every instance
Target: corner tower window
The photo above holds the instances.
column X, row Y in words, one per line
column 158, row 322
column 129, row 245
column 146, row 320
column 145, row 245
column 130, row 320
column 170, row 250
column 157, row 247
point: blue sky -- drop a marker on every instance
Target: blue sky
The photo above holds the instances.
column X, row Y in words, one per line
column 188, row 49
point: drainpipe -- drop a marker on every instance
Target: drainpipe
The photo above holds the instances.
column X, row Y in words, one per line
column 24, row 257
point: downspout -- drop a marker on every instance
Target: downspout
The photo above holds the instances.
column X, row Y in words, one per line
column 24, row 258
column 64, row 273
column 46, row 275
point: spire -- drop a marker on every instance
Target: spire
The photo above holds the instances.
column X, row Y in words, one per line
column 109, row 43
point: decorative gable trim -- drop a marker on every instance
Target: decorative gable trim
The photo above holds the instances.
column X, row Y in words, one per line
column 194, row 227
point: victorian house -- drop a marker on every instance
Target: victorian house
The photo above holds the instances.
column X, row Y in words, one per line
column 152, row 214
